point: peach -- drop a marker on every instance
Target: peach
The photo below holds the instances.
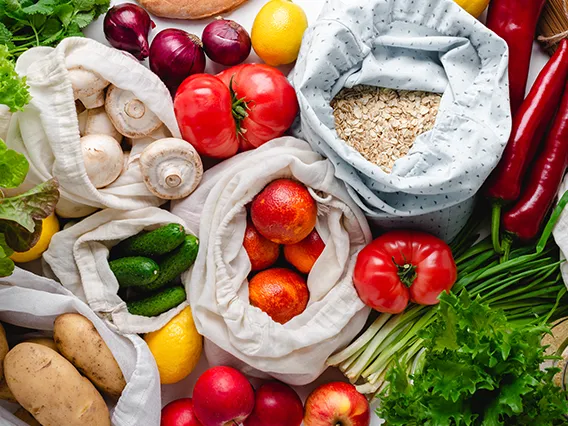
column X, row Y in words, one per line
column 281, row 293
column 303, row 255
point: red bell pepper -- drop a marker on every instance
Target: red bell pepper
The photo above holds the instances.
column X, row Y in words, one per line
column 515, row 21
column 529, row 127
column 524, row 220
column 403, row 266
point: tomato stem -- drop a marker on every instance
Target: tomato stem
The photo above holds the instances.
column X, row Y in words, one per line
column 240, row 109
column 406, row 273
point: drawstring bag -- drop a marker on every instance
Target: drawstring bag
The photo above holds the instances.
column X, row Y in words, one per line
column 30, row 301
column 427, row 45
column 47, row 130
column 78, row 258
column 239, row 334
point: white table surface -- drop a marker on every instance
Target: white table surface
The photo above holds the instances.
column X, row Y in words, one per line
column 245, row 16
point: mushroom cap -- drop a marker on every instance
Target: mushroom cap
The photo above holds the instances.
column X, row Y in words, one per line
column 88, row 86
column 103, row 159
column 171, row 168
column 129, row 114
column 70, row 210
column 98, row 123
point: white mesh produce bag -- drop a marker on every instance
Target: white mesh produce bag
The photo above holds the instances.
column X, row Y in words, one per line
column 28, row 300
column 47, row 131
column 78, row 257
column 428, row 45
column 239, row 334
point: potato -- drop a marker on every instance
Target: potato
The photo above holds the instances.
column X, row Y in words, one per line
column 26, row 417
column 3, row 349
column 79, row 341
column 51, row 389
column 5, row 392
column 44, row 341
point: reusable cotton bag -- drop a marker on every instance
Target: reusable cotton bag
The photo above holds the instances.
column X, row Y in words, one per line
column 428, row 45
column 239, row 334
column 28, row 300
column 47, row 131
column 78, row 258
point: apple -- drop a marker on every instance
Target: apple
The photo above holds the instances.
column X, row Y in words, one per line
column 337, row 404
column 222, row 396
column 276, row 404
column 179, row 413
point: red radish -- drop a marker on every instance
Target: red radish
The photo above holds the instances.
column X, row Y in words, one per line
column 222, row 396
column 276, row 404
column 179, row 413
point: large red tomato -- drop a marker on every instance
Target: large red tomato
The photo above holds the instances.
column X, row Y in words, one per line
column 241, row 108
column 401, row 267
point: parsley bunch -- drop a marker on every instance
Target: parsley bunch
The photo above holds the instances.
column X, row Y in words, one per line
column 29, row 23
column 478, row 369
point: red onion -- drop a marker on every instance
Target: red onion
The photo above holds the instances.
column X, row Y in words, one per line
column 126, row 27
column 175, row 55
column 226, row 42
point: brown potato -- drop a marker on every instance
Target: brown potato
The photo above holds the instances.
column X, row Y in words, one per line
column 26, row 417
column 44, row 341
column 5, row 392
column 51, row 389
column 79, row 341
column 3, row 349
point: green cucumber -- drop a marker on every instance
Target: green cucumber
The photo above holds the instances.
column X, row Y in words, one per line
column 176, row 262
column 134, row 271
column 158, row 303
column 153, row 243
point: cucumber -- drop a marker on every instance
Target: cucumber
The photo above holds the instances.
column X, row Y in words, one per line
column 158, row 303
column 153, row 243
column 134, row 271
column 175, row 263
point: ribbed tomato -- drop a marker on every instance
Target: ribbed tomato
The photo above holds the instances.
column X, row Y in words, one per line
column 401, row 267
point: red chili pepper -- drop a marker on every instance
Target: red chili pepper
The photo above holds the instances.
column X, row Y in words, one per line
column 529, row 127
column 515, row 21
column 524, row 220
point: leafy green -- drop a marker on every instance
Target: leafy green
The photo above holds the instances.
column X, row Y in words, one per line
column 21, row 216
column 478, row 369
column 29, row 23
column 13, row 89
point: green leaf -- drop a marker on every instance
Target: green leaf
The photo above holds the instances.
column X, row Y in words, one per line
column 5, row 34
column 42, row 7
column 13, row 89
column 6, row 265
column 83, row 19
column 84, row 5
column 33, row 205
column 13, row 167
column 18, row 238
column 65, row 13
column 5, row 250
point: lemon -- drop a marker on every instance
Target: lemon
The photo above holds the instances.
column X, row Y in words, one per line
column 473, row 7
column 277, row 32
column 176, row 347
column 50, row 226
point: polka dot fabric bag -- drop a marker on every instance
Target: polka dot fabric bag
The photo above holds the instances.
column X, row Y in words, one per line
column 415, row 45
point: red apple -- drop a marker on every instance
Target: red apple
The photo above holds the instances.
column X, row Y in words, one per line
column 337, row 404
column 276, row 404
column 222, row 396
column 179, row 413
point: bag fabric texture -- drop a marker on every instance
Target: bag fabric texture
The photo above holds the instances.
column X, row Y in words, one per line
column 31, row 301
column 428, row 45
column 239, row 334
column 47, row 131
column 78, row 258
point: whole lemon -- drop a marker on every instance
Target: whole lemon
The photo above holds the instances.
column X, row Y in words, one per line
column 176, row 347
column 473, row 7
column 49, row 227
column 277, row 32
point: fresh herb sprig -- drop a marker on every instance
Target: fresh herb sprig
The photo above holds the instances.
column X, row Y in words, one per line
column 13, row 89
column 29, row 23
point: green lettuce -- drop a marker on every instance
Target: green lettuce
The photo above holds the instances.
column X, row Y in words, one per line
column 13, row 89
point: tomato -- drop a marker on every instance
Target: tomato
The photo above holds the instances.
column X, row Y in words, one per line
column 203, row 108
column 270, row 99
column 401, row 267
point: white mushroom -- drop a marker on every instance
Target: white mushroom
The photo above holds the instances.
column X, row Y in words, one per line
column 82, row 118
column 171, row 168
column 68, row 209
column 88, row 87
column 98, row 123
column 129, row 114
column 103, row 159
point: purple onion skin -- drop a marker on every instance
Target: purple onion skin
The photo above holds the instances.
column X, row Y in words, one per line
column 175, row 55
column 226, row 42
column 126, row 27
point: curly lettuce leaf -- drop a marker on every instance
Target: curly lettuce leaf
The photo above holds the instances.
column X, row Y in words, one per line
column 479, row 369
column 13, row 88
column 6, row 265
column 13, row 167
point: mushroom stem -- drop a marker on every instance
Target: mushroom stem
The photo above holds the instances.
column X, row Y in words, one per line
column 173, row 177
